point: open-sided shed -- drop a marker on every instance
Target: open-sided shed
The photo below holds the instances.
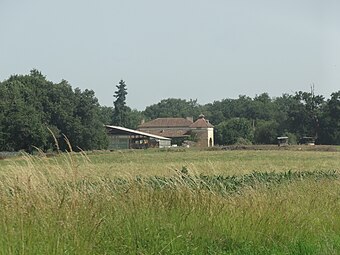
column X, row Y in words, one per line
column 282, row 141
column 125, row 138
column 307, row 140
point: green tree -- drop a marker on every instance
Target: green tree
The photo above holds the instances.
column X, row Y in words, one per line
column 218, row 111
column 173, row 107
column 310, row 111
column 22, row 121
column 266, row 132
column 135, row 118
column 263, row 107
column 330, row 121
column 30, row 104
column 120, row 112
column 106, row 113
column 88, row 131
column 281, row 115
column 259, row 108
column 229, row 131
column 298, row 114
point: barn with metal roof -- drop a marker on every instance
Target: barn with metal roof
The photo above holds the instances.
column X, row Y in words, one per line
column 125, row 138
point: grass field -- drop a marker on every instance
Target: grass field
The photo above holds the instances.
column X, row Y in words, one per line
column 171, row 202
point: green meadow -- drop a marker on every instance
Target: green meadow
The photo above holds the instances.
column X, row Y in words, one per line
column 171, row 201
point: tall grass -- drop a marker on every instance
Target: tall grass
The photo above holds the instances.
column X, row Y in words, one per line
column 63, row 206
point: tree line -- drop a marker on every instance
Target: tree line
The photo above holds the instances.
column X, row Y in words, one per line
column 260, row 120
column 33, row 108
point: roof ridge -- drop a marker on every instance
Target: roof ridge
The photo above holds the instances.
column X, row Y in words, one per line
column 167, row 122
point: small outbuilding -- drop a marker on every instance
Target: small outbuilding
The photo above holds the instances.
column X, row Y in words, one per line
column 125, row 138
column 307, row 140
column 282, row 141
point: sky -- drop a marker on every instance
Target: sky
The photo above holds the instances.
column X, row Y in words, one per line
column 189, row 49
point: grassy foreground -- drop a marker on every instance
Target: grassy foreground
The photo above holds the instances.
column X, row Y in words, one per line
column 171, row 202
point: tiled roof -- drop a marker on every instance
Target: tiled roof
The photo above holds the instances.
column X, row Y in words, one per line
column 169, row 133
column 166, row 122
column 201, row 123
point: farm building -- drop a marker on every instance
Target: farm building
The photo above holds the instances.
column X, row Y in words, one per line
column 307, row 140
column 125, row 138
column 201, row 132
column 282, row 141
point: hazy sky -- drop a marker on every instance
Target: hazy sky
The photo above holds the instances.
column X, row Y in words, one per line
column 205, row 50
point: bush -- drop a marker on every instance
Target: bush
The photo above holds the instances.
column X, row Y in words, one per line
column 292, row 138
column 243, row 141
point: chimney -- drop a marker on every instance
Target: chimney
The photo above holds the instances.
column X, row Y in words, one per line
column 190, row 119
column 142, row 121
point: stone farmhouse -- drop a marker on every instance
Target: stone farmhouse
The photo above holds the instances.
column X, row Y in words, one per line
column 182, row 130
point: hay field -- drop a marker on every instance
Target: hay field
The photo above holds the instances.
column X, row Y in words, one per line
column 171, row 202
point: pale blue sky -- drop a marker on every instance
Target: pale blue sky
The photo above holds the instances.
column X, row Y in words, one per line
column 205, row 50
